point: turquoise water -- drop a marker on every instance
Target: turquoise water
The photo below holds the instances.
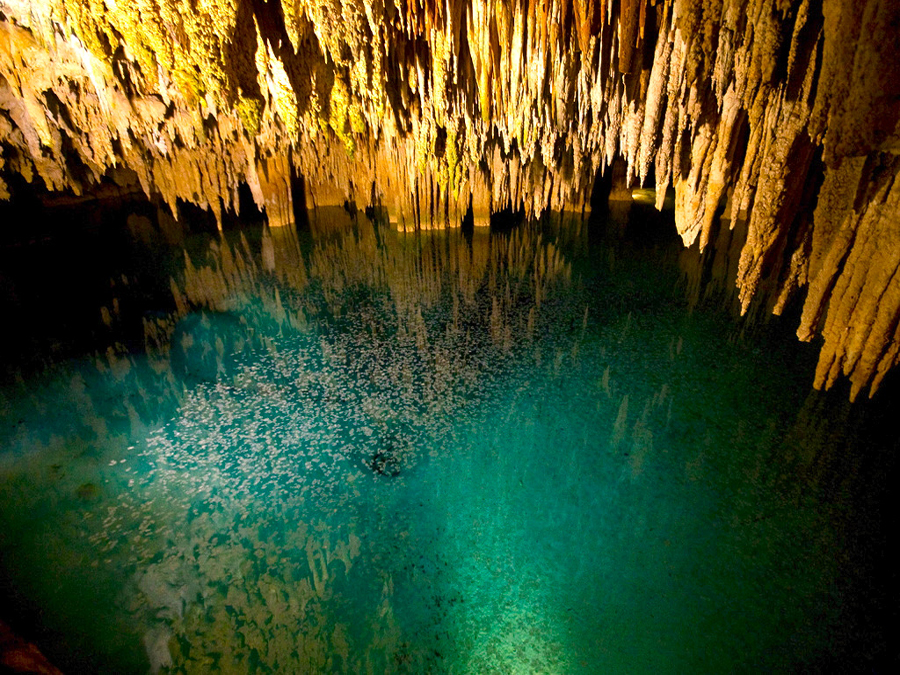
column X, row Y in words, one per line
column 524, row 451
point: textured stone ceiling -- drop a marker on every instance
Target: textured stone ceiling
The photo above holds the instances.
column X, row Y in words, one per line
column 780, row 114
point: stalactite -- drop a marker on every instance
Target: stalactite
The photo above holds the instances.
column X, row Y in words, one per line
column 427, row 109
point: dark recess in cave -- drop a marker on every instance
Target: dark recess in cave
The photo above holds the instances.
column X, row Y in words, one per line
column 62, row 256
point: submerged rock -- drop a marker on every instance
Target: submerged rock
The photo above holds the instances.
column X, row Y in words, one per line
column 88, row 492
column 156, row 642
column 386, row 460
column 385, row 464
column 19, row 656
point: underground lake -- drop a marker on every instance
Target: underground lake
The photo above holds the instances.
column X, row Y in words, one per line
column 547, row 446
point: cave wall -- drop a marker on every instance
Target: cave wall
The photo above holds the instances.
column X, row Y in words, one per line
column 782, row 116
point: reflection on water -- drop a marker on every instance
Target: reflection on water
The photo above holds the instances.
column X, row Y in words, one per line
column 358, row 450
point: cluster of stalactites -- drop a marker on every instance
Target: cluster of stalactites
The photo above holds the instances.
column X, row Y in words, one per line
column 783, row 115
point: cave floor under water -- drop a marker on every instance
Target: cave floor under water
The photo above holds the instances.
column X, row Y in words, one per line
column 461, row 458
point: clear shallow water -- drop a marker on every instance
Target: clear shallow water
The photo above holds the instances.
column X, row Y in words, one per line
column 369, row 452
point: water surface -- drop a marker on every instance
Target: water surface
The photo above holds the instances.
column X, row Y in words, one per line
column 534, row 449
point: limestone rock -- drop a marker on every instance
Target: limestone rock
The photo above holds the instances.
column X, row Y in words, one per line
column 428, row 109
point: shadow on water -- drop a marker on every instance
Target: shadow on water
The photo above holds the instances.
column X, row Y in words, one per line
column 540, row 447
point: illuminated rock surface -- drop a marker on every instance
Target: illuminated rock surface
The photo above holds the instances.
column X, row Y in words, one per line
column 785, row 114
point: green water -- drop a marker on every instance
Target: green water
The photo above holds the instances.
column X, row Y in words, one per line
column 443, row 453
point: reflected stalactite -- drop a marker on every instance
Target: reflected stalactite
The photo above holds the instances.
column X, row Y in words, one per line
column 709, row 273
column 414, row 271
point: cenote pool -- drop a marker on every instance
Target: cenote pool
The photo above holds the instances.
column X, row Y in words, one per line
column 544, row 448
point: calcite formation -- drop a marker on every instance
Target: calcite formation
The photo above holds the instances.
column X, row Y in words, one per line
column 780, row 115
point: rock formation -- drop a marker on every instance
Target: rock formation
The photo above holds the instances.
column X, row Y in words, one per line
column 19, row 656
column 783, row 115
